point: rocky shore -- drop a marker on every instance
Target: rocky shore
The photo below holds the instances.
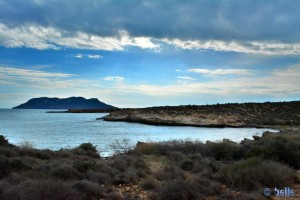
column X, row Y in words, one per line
column 219, row 115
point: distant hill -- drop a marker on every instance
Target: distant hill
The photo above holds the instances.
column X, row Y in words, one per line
column 67, row 103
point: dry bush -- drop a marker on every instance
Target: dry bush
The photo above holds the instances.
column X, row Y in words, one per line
column 149, row 184
column 121, row 146
column 91, row 190
column 8, row 151
column 65, row 172
column 255, row 173
column 41, row 189
column 169, row 172
column 122, row 162
column 145, row 148
column 176, row 156
column 131, row 176
column 100, row 178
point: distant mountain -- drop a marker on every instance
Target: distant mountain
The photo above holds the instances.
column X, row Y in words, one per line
column 67, row 103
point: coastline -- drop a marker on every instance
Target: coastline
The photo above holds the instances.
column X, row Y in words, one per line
column 253, row 115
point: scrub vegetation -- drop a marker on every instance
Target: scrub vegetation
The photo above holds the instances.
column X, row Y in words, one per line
column 166, row 170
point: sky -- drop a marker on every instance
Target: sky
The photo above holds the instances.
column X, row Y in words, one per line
column 139, row 53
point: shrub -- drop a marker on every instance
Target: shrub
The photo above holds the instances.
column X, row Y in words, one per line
column 7, row 151
column 185, row 147
column 90, row 189
column 149, row 184
column 88, row 147
column 195, row 156
column 139, row 163
column 178, row 190
column 187, row 165
column 13, row 178
column 169, row 173
column 176, row 156
column 8, row 165
column 131, row 176
column 114, row 195
column 65, row 172
column 4, row 185
column 145, row 148
column 84, row 166
column 41, row 189
column 283, row 147
column 100, row 178
column 254, row 174
column 40, row 154
column 3, row 141
column 121, row 146
column 122, row 162
column 225, row 150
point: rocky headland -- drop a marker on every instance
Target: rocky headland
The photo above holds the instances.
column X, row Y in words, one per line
column 219, row 115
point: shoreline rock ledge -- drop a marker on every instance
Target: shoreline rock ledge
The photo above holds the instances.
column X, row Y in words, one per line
column 259, row 115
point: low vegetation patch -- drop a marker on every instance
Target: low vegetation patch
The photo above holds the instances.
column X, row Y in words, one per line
column 167, row 170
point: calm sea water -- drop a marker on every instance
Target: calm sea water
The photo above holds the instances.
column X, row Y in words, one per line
column 67, row 130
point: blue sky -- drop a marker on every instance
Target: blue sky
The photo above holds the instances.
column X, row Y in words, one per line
column 147, row 53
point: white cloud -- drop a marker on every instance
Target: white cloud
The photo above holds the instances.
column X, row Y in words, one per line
column 114, row 78
column 219, row 71
column 178, row 70
column 40, row 79
column 94, row 56
column 78, row 56
column 8, row 71
column 185, row 78
column 253, row 47
column 39, row 37
column 91, row 56
column 277, row 83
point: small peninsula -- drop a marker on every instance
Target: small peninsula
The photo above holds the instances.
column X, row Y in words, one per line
column 70, row 103
column 266, row 114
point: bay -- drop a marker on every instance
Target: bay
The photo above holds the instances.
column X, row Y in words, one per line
column 67, row 130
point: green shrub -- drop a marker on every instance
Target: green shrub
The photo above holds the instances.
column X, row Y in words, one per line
column 278, row 147
column 9, row 165
column 84, row 166
column 255, row 173
column 3, row 141
column 88, row 147
column 187, row 165
column 225, row 150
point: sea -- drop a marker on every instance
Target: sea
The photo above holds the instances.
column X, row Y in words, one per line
column 57, row 131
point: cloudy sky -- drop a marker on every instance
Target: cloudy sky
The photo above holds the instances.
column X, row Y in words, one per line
column 146, row 53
